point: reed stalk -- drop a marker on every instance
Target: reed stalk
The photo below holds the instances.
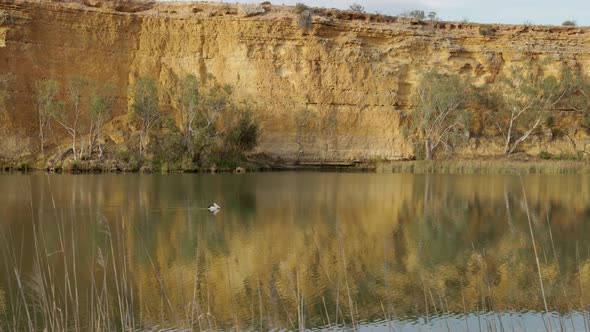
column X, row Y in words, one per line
column 526, row 205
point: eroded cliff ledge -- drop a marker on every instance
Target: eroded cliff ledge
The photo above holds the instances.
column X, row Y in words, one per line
column 358, row 71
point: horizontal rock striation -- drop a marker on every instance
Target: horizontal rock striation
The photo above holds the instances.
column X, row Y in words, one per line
column 354, row 73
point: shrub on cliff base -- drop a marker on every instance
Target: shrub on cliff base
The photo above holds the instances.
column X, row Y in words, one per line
column 524, row 99
column 440, row 118
column 544, row 155
column 167, row 147
column 242, row 135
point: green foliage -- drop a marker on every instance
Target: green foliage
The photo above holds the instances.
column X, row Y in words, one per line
column 357, row 8
column 188, row 104
column 544, row 155
column 417, row 14
column 576, row 87
column 569, row 156
column 46, row 92
column 569, row 23
column 432, row 16
column 99, row 107
column 76, row 89
column 167, row 147
column 523, row 98
column 211, row 123
column 145, row 106
column 440, row 118
column 243, row 135
column 300, row 7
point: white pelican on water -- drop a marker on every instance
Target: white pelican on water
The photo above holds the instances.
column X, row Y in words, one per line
column 214, row 208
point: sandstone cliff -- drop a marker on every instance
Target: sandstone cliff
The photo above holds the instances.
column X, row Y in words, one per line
column 354, row 72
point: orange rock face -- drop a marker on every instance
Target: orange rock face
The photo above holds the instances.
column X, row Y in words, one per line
column 354, row 73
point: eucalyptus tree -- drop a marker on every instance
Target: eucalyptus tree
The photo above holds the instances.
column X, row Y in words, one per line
column 100, row 107
column 188, row 101
column 146, row 107
column 212, row 119
column 527, row 96
column 440, row 117
column 70, row 120
column 46, row 93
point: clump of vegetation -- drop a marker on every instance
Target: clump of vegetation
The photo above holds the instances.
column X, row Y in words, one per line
column 210, row 125
column 300, row 7
column 544, row 155
column 522, row 101
column 569, row 156
column 100, row 107
column 432, row 16
column 251, row 9
column 357, row 8
column 5, row 18
column 68, row 114
column 487, row 30
column 569, row 23
column 242, row 135
column 417, row 14
column 440, row 118
column 145, row 107
column 46, row 92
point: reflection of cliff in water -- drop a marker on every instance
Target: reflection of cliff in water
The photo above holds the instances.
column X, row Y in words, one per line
column 298, row 248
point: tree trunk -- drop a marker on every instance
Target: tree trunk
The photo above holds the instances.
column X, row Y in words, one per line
column 74, row 146
column 427, row 149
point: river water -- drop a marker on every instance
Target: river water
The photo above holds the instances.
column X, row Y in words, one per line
column 295, row 250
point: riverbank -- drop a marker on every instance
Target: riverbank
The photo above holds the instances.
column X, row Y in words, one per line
column 523, row 164
column 498, row 166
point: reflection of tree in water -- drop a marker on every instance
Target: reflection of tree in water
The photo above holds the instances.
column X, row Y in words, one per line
column 311, row 249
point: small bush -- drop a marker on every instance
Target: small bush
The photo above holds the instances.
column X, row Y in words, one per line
column 544, row 155
column 4, row 18
column 487, row 30
column 251, row 9
column 355, row 7
column 417, row 14
column 300, row 7
column 569, row 156
column 167, row 146
column 569, row 23
column 243, row 136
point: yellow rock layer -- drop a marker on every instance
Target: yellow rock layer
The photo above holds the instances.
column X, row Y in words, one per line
column 359, row 69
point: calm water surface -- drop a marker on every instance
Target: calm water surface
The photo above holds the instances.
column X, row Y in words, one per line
column 288, row 251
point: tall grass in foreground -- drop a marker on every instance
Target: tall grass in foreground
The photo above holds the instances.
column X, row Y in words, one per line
column 50, row 295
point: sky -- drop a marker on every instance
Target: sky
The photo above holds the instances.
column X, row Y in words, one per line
column 551, row 12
